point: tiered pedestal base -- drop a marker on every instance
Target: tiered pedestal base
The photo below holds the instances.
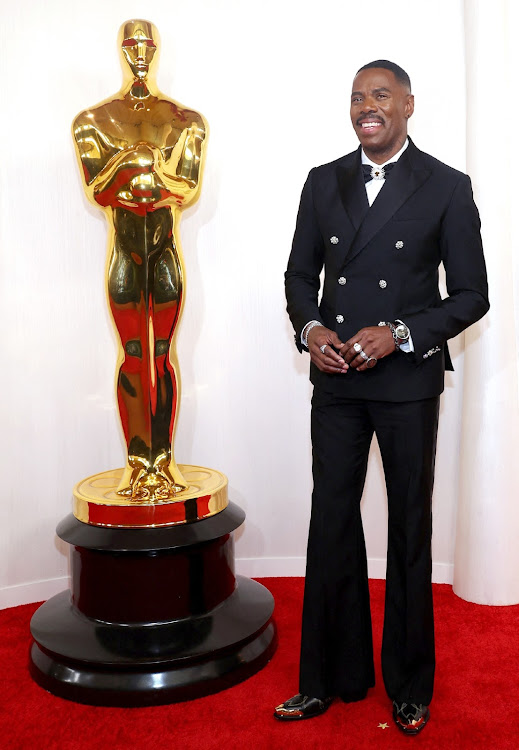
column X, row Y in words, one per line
column 154, row 615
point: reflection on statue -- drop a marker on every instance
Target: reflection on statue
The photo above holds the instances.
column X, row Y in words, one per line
column 141, row 158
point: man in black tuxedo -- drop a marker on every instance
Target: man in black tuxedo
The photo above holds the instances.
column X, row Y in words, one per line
column 380, row 221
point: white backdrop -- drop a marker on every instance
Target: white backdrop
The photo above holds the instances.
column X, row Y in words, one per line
column 273, row 80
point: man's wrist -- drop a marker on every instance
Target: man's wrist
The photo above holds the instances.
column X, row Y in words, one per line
column 392, row 328
column 306, row 330
column 401, row 335
column 407, row 345
column 402, row 332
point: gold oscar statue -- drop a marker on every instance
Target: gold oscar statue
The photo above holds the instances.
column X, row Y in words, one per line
column 141, row 157
column 155, row 613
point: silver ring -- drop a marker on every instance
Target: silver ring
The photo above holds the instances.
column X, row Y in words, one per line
column 357, row 348
column 373, row 361
column 364, row 355
column 323, row 347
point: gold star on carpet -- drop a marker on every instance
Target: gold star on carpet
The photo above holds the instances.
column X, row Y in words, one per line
column 383, row 726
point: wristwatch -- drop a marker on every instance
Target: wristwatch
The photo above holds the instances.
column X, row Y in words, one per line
column 399, row 331
column 402, row 333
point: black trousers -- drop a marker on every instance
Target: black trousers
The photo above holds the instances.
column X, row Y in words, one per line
column 337, row 647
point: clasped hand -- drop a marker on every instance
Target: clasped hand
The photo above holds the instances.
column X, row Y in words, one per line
column 375, row 341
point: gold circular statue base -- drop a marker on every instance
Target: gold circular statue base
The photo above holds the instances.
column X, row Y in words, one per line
column 96, row 501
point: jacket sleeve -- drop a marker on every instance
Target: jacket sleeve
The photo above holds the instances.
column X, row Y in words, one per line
column 305, row 263
column 462, row 256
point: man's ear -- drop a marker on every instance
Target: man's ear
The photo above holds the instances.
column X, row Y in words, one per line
column 409, row 107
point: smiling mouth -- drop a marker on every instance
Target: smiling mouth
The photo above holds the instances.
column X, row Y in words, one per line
column 370, row 124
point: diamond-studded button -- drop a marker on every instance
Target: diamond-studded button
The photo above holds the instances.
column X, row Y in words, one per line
column 334, row 240
column 399, row 245
column 339, row 318
column 382, row 283
column 342, row 280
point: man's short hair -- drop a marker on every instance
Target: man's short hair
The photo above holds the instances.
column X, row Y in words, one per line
column 399, row 72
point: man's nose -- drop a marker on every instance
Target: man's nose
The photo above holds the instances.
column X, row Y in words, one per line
column 141, row 50
column 369, row 105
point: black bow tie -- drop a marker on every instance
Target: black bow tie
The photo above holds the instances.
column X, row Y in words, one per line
column 376, row 173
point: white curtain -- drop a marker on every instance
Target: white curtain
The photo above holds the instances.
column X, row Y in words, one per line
column 486, row 566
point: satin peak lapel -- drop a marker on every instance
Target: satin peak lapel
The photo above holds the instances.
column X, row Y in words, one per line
column 352, row 190
column 405, row 180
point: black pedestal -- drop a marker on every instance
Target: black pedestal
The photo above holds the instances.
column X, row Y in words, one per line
column 154, row 616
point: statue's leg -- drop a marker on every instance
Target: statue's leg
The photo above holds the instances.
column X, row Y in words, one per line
column 167, row 300
column 126, row 287
column 145, row 288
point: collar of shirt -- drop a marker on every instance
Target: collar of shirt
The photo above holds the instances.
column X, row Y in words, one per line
column 373, row 187
column 364, row 159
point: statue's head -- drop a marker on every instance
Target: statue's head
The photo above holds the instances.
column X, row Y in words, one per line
column 138, row 40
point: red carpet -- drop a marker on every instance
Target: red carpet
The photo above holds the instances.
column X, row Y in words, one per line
column 475, row 703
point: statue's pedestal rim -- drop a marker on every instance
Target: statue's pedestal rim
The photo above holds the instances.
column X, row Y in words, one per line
column 241, row 639
column 97, row 503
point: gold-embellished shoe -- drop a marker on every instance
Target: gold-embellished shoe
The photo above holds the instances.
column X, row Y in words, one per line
column 301, row 707
column 410, row 717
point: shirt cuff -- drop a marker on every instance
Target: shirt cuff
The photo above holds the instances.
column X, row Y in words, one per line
column 408, row 346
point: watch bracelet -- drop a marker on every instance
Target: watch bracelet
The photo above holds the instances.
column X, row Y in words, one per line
column 309, row 326
column 392, row 328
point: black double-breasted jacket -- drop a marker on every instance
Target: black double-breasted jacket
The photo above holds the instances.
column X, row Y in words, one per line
column 381, row 264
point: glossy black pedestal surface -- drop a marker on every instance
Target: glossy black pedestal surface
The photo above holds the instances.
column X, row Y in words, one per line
column 154, row 616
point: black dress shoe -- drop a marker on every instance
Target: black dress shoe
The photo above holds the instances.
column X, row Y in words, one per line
column 301, row 707
column 410, row 717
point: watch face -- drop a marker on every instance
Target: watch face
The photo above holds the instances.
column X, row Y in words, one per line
column 402, row 332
